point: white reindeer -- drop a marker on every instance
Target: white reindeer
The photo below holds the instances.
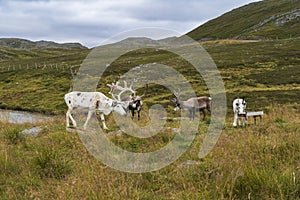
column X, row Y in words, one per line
column 192, row 105
column 92, row 101
column 239, row 110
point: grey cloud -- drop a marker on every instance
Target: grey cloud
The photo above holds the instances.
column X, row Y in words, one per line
column 90, row 21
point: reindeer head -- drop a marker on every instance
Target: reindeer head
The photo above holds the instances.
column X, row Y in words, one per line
column 118, row 107
column 239, row 106
column 175, row 100
column 136, row 101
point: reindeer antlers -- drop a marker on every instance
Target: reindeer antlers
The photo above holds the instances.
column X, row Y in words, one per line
column 116, row 86
column 176, row 94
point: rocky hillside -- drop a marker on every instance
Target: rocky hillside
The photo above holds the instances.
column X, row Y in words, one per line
column 27, row 44
column 268, row 19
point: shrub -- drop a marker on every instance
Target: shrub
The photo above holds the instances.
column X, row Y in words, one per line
column 13, row 135
column 280, row 120
column 259, row 183
column 52, row 163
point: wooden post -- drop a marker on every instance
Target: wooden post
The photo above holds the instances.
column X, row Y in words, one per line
column 260, row 117
column 255, row 115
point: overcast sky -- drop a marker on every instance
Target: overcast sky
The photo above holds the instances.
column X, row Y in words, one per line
column 92, row 21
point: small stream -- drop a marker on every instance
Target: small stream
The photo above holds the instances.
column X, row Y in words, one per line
column 20, row 117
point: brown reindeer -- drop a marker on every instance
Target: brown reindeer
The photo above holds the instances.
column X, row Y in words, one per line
column 194, row 104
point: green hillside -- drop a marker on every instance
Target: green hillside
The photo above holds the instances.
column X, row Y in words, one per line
column 260, row 71
column 256, row 162
column 268, row 19
column 36, row 79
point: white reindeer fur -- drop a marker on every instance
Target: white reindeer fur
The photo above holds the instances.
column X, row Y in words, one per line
column 92, row 101
column 239, row 110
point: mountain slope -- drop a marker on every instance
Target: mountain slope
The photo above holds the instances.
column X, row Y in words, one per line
column 17, row 43
column 268, row 19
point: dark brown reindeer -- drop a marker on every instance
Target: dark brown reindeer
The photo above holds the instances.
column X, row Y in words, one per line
column 194, row 104
column 133, row 102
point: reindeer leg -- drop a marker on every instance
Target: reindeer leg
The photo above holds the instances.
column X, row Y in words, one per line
column 87, row 119
column 69, row 116
column 194, row 112
column 235, row 120
column 209, row 110
column 67, row 119
column 204, row 114
column 191, row 114
column 103, row 121
column 139, row 114
column 239, row 121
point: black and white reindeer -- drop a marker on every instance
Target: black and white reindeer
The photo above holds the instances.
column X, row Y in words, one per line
column 193, row 104
column 239, row 110
column 133, row 102
column 93, row 101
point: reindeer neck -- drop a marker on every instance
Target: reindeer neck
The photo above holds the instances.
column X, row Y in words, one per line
column 180, row 102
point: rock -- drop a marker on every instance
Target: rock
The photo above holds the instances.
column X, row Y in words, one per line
column 115, row 133
column 189, row 163
column 175, row 130
column 33, row 131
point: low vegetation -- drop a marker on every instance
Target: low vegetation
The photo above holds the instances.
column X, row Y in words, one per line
column 268, row 19
column 259, row 71
column 256, row 162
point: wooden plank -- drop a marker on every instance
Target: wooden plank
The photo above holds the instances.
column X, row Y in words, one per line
column 257, row 113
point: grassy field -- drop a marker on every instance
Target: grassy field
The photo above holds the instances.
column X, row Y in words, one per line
column 256, row 162
column 36, row 80
column 265, row 72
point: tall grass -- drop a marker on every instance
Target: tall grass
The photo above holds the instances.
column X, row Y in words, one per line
column 257, row 162
column 13, row 135
column 52, row 163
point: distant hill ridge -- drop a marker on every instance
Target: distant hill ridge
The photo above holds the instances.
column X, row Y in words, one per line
column 18, row 43
column 142, row 42
column 268, row 19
